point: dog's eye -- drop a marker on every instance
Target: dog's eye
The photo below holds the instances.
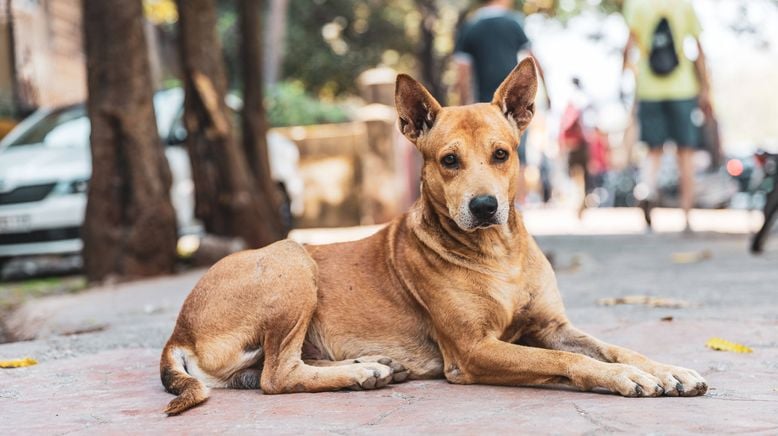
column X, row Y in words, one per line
column 450, row 161
column 500, row 155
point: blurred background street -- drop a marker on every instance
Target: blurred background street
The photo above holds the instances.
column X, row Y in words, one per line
column 321, row 93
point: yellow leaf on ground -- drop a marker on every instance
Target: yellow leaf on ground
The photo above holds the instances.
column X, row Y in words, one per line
column 719, row 344
column 692, row 256
column 18, row 363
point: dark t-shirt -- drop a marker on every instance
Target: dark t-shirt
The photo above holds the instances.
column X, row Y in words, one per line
column 492, row 39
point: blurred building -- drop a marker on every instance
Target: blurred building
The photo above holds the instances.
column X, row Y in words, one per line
column 41, row 55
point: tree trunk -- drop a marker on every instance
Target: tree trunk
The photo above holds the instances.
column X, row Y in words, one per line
column 130, row 226
column 430, row 64
column 254, row 121
column 227, row 200
column 275, row 37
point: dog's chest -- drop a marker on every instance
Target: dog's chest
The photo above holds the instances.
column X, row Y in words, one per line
column 511, row 297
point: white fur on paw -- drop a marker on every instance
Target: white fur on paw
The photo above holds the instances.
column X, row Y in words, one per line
column 630, row 381
column 399, row 372
column 372, row 376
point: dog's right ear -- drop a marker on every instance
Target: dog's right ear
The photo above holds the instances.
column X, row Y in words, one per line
column 416, row 107
column 516, row 95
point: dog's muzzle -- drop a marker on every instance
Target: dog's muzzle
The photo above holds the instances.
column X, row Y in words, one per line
column 484, row 209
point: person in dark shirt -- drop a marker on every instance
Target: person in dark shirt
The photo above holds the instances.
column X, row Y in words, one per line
column 488, row 46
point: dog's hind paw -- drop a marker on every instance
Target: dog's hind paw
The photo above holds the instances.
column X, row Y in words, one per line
column 399, row 372
column 371, row 376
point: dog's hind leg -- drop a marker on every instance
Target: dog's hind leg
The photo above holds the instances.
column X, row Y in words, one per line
column 284, row 370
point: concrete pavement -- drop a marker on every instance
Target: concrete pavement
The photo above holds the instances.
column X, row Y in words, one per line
column 102, row 377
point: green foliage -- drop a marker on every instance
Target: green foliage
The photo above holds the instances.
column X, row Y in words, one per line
column 330, row 42
column 288, row 105
column 14, row 293
column 565, row 9
column 227, row 29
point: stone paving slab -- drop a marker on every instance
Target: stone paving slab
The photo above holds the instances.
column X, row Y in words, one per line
column 119, row 391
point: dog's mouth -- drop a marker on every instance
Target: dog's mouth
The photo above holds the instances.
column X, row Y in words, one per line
column 485, row 224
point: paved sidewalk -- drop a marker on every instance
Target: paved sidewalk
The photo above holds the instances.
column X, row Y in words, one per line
column 106, row 380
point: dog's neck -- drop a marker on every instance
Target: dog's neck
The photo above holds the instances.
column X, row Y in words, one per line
column 478, row 248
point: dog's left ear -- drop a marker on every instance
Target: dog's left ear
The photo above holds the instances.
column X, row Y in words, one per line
column 416, row 107
column 516, row 95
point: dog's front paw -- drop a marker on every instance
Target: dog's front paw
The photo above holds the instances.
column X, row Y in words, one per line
column 371, row 376
column 399, row 372
column 678, row 381
column 630, row 381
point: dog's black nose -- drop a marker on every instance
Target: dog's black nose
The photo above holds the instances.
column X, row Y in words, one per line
column 483, row 207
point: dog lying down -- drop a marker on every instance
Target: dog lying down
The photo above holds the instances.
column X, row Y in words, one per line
column 454, row 288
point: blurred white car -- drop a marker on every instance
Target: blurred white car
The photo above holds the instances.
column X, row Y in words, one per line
column 45, row 166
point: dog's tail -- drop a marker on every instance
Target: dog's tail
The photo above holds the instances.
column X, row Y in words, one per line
column 189, row 391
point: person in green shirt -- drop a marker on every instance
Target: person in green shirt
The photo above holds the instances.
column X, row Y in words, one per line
column 670, row 89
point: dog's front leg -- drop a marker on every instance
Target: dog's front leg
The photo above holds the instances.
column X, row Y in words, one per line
column 491, row 361
column 675, row 380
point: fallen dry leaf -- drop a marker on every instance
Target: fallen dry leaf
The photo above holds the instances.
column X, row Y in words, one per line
column 719, row 344
column 645, row 300
column 83, row 330
column 18, row 363
column 692, row 256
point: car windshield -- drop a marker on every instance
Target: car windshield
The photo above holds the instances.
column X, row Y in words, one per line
column 69, row 126
column 49, row 128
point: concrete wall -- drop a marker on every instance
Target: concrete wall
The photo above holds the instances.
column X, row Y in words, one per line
column 50, row 62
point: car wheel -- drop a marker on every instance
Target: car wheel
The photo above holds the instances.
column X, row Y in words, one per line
column 3, row 262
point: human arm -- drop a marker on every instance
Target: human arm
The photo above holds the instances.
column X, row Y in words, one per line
column 463, row 62
column 704, row 80
column 700, row 67
column 627, row 54
column 464, row 80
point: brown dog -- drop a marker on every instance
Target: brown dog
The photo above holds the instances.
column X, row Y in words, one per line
column 455, row 288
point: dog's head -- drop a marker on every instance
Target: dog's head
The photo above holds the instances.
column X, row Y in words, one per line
column 470, row 160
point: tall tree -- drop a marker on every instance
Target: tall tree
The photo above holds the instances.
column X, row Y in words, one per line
column 431, row 65
column 275, row 41
column 254, row 120
column 130, row 226
column 227, row 199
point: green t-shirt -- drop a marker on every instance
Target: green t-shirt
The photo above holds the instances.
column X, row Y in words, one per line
column 642, row 17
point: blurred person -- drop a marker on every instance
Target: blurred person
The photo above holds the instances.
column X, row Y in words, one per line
column 769, row 164
column 488, row 46
column 599, row 155
column 573, row 140
column 670, row 88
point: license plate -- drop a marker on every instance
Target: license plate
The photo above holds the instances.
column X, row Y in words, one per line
column 14, row 223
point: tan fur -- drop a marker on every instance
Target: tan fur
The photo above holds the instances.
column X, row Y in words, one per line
column 422, row 298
